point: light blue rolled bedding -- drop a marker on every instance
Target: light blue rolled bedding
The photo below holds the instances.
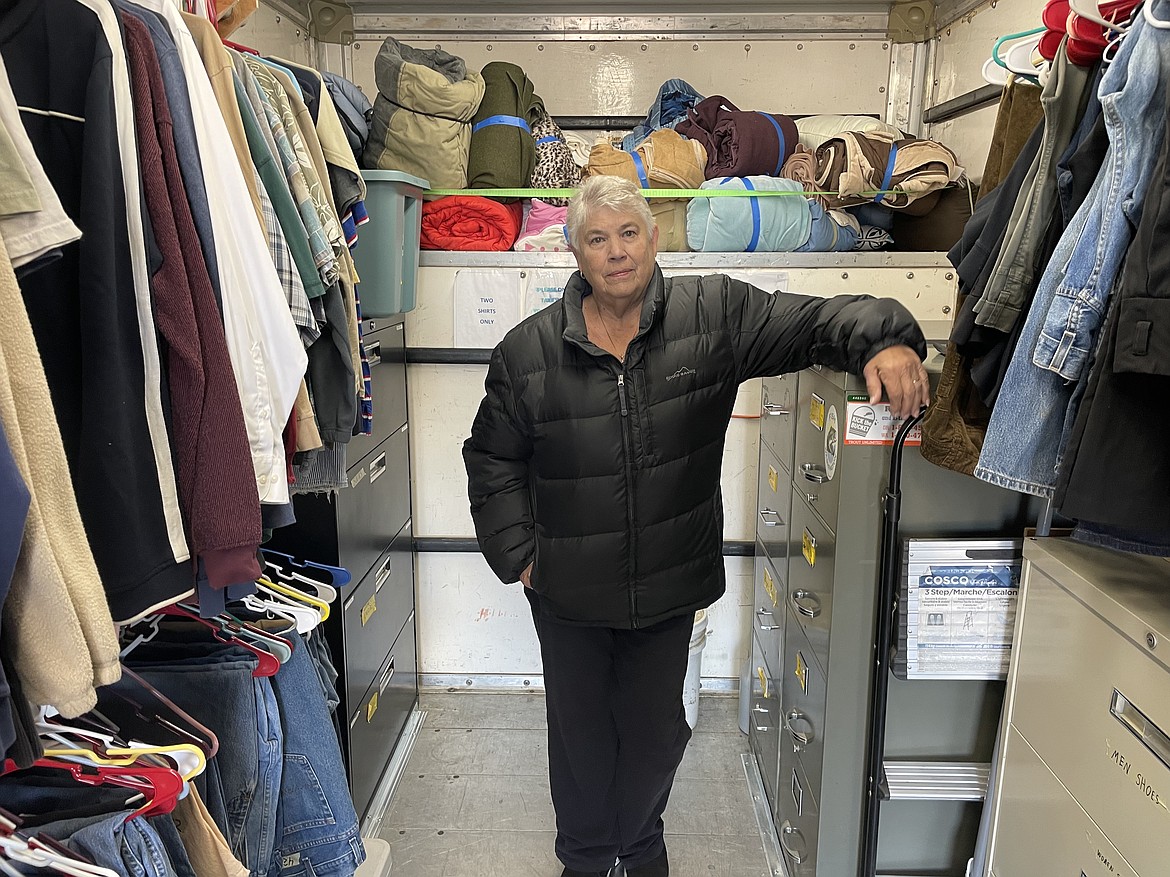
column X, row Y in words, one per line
column 771, row 224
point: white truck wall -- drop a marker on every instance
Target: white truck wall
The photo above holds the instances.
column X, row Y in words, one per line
column 959, row 52
column 276, row 29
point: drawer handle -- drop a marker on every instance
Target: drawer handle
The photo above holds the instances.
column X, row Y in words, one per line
column 1141, row 726
column 378, row 467
column 771, row 518
column 799, row 738
column 806, row 603
column 777, row 410
column 789, row 831
column 383, row 574
column 814, row 473
column 760, row 613
column 386, row 677
column 374, row 353
column 760, row 729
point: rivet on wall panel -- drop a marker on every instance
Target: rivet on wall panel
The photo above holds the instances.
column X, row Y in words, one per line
column 357, row 47
column 909, row 275
column 946, row 309
column 643, row 47
column 747, row 47
column 694, row 47
column 592, row 48
column 540, row 47
column 845, row 275
column 852, row 46
column 885, row 45
column 949, row 276
column 489, row 47
column 278, row 19
column 881, row 89
column 800, row 47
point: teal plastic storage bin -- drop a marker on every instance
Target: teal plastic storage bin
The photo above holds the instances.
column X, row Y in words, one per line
column 387, row 252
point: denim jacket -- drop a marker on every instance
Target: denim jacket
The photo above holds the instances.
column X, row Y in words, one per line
column 1133, row 99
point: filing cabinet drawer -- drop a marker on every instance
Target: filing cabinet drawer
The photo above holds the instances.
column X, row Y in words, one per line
column 803, row 693
column 819, row 443
column 772, row 506
column 810, row 577
column 778, row 417
column 797, row 817
column 1043, row 830
column 1093, row 705
column 375, row 612
column 378, row 718
column 764, row 720
column 375, row 505
column 768, row 610
column 385, row 349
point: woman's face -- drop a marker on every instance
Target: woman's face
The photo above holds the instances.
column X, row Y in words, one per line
column 617, row 254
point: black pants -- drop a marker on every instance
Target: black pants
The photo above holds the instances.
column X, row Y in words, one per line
column 616, row 735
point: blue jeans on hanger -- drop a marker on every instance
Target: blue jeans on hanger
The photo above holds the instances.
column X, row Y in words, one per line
column 132, row 848
column 317, row 828
column 1133, row 96
column 214, row 684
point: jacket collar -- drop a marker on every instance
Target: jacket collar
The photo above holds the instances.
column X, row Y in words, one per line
column 573, row 301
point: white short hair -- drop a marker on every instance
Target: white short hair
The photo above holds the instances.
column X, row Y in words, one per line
column 606, row 192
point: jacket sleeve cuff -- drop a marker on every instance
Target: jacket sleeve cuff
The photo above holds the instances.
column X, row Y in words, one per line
column 231, row 566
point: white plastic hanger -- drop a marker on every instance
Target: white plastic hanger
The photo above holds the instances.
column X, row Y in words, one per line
column 1019, row 57
column 1151, row 19
column 322, row 591
column 306, row 618
column 1090, row 11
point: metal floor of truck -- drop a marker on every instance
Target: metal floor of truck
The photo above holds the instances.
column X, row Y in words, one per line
column 474, row 798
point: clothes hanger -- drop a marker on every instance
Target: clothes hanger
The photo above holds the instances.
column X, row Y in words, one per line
column 143, row 712
column 270, row 651
column 1090, row 11
column 187, row 759
column 1019, row 57
column 36, row 853
column 1151, row 19
column 324, row 591
column 339, row 576
column 280, row 589
column 305, row 618
column 241, row 48
column 161, row 787
column 1031, row 38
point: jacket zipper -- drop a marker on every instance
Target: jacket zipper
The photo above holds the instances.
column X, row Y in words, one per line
column 621, row 382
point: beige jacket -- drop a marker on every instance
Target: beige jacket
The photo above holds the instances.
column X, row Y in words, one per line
column 219, row 70
column 56, row 613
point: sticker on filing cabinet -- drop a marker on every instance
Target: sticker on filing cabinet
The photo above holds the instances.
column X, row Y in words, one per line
column 832, row 441
column 371, row 708
column 801, row 671
column 369, row 609
column 773, row 479
column 809, row 547
column 770, row 588
column 867, row 424
column 816, row 411
column 358, row 478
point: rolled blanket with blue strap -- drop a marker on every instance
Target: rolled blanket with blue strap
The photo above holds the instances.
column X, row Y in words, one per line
column 738, row 143
column 503, row 153
column 772, row 224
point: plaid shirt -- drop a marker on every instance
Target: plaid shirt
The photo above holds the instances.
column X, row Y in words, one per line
column 286, row 270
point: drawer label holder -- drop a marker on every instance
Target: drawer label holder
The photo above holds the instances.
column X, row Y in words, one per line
column 816, row 412
column 773, row 478
column 369, row 609
column 371, row 708
column 770, row 588
column 809, row 547
column 801, row 672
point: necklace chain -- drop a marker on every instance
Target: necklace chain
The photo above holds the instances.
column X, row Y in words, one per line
column 601, row 317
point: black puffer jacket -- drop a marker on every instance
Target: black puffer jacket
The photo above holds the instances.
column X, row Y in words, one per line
column 607, row 474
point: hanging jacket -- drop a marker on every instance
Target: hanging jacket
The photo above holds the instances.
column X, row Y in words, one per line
column 605, row 474
column 353, row 107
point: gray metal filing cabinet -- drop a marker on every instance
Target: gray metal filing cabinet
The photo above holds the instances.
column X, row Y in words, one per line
column 366, row 528
column 819, row 522
column 1083, row 783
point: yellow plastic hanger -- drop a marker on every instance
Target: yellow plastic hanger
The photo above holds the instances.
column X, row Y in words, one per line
column 300, row 596
column 189, row 760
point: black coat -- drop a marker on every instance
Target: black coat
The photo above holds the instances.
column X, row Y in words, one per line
column 607, row 474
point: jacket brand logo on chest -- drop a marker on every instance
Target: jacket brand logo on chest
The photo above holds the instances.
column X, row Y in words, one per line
column 684, row 372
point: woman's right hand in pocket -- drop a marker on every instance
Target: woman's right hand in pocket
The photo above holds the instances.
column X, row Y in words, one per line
column 526, row 576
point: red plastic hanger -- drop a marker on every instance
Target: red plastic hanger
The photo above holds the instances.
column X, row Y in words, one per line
column 161, row 786
column 230, row 630
column 240, row 48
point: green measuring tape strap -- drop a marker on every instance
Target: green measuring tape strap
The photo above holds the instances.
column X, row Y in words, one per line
column 648, row 193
